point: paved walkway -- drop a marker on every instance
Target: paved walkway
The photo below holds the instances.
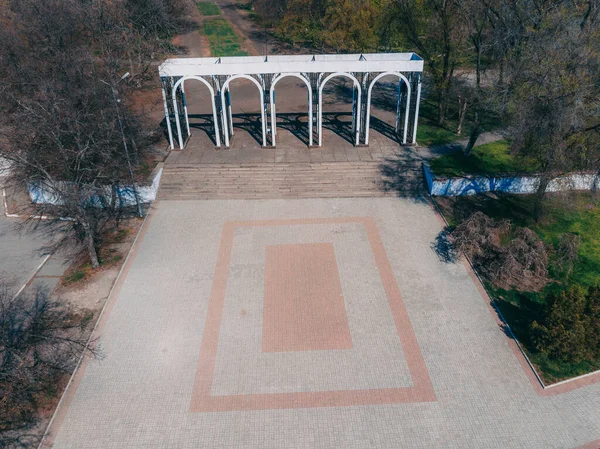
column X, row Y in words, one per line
column 22, row 259
column 377, row 343
column 290, row 148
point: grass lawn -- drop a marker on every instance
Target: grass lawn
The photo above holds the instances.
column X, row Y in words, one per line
column 577, row 213
column 489, row 159
column 208, row 9
column 430, row 133
column 223, row 40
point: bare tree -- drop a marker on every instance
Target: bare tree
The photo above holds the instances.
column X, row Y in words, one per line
column 436, row 30
column 70, row 153
column 65, row 123
column 552, row 93
column 40, row 343
column 521, row 263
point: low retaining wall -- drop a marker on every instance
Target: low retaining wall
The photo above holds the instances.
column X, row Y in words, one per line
column 41, row 194
column 4, row 167
column 473, row 185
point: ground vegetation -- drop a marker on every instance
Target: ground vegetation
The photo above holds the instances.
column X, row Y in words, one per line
column 542, row 275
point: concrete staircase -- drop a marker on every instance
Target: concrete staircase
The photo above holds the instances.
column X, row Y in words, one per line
column 290, row 180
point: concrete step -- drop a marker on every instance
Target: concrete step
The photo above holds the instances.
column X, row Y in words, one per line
column 285, row 180
column 273, row 168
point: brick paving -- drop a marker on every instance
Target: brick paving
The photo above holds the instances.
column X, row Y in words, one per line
column 185, row 366
column 303, row 307
column 245, row 149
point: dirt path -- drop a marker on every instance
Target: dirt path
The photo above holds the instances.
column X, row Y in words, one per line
column 194, row 42
column 253, row 38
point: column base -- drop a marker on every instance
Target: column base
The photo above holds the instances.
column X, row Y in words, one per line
column 185, row 142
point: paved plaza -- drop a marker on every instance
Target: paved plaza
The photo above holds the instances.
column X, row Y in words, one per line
column 321, row 323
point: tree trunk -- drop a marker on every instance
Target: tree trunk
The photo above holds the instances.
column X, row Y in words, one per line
column 136, row 152
column 91, row 246
column 478, row 67
column 475, row 133
column 462, row 110
column 442, row 107
column 116, row 204
column 538, row 210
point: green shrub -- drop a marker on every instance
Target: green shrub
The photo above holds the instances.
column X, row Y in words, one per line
column 569, row 328
column 208, row 9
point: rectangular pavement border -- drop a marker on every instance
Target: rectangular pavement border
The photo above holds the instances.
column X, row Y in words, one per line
column 202, row 401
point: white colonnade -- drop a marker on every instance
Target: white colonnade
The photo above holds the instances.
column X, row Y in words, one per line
column 315, row 71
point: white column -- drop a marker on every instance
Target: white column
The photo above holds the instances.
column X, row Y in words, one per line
column 187, row 119
column 216, row 121
column 177, row 122
column 368, row 118
column 365, row 87
column 358, row 105
column 310, row 118
column 354, row 108
column 263, row 117
column 320, row 118
column 225, row 118
column 414, row 141
column 167, row 117
column 273, row 118
column 406, row 115
column 229, row 114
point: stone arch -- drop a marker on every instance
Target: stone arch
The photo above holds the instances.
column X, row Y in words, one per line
column 214, row 107
column 274, row 113
column 320, row 118
column 369, row 94
column 262, row 106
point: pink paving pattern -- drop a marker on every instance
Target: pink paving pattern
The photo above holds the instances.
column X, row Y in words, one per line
column 304, row 308
column 202, row 400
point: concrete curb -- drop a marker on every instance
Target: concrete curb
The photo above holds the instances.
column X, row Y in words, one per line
column 32, row 277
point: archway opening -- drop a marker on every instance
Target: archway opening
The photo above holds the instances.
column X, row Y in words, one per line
column 291, row 111
column 339, row 109
column 388, row 102
column 243, row 108
column 198, row 99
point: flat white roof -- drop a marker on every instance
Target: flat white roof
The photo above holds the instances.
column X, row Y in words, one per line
column 253, row 65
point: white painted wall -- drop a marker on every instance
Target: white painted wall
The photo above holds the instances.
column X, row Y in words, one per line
column 146, row 192
column 472, row 185
column 4, row 167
